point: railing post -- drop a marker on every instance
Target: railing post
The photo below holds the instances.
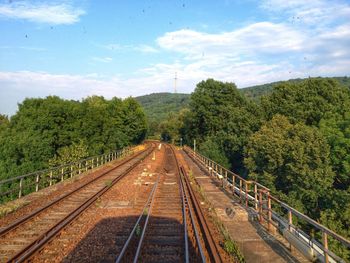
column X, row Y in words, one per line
column 71, row 171
column 233, row 184
column 260, row 207
column 269, row 211
column 51, row 177
column 37, row 183
column 325, row 245
column 86, row 165
column 79, row 167
column 62, row 174
column 290, row 222
column 246, row 183
column 240, row 189
column 225, row 179
column 20, row 188
column 256, row 196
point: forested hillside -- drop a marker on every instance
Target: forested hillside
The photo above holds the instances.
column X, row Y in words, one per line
column 158, row 106
column 256, row 92
column 50, row 131
column 296, row 141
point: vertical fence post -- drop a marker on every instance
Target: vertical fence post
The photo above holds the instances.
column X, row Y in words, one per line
column 246, row 183
column 71, row 171
column 79, row 167
column 233, row 184
column 225, row 178
column 269, row 211
column 256, row 196
column 260, row 207
column 62, row 174
column 325, row 244
column 240, row 189
column 290, row 222
column 37, row 182
column 51, row 173
column 20, row 188
column 86, row 165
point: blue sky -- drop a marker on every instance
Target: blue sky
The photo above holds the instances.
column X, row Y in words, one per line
column 75, row 49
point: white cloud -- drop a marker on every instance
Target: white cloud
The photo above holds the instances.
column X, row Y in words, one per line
column 258, row 38
column 145, row 49
column 102, row 59
column 44, row 12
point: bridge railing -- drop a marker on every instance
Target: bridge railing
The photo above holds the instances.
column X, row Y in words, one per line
column 19, row 186
column 275, row 214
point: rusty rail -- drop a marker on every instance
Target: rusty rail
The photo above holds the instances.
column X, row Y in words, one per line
column 210, row 244
column 149, row 204
column 37, row 244
column 258, row 199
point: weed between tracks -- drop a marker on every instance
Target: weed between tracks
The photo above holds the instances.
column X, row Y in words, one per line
column 108, row 183
column 228, row 245
column 138, row 231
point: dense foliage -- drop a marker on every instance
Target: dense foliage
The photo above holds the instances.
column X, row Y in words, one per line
column 296, row 141
column 256, row 92
column 160, row 106
column 53, row 131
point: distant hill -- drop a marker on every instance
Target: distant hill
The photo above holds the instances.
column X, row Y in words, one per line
column 158, row 106
column 255, row 92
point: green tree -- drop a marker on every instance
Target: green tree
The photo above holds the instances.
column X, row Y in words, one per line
column 293, row 161
column 134, row 121
column 307, row 101
column 336, row 130
column 219, row 110
column 69, row 154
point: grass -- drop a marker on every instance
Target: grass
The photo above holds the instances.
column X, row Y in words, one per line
column 11, row 207
column 138, row 231
column 108, row 183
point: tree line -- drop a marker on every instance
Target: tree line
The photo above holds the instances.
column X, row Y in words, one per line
column 294, row 140
column 51, row 131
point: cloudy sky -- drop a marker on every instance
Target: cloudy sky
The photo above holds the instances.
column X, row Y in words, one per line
column 122, row 48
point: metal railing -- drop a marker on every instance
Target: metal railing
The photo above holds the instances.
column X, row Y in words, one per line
column 274, row 213
column 19, row 186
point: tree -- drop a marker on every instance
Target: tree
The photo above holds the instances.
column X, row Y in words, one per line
column 307, row 101
column 336, row 129
column 220, row 111
column 69, row 154
column 293, row 161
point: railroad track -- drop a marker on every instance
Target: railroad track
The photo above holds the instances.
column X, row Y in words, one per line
column 171, row 227
column 23, row 238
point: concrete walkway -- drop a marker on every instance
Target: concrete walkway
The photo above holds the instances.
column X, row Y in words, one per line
column 255, row 243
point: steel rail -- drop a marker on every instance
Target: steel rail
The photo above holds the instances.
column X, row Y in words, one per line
column 207, row 236
column 37, row 244
column 145, row 226
column 184, row 221
column 24, row 219
column 183, row 194
column 193, row 222
column 211, row 246
column 127, row 242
